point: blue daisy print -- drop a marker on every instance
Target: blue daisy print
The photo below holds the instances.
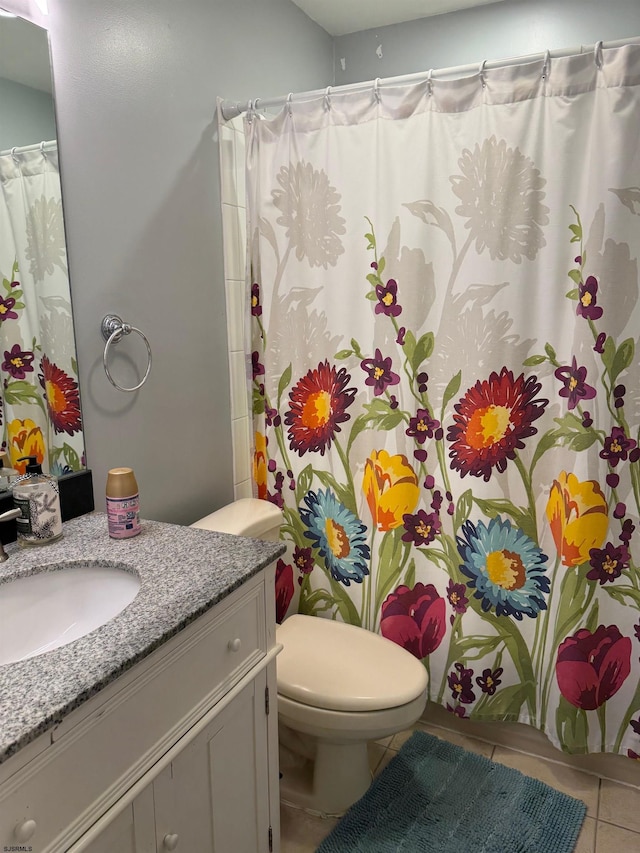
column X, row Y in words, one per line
column 505, row 566
column 338, row 535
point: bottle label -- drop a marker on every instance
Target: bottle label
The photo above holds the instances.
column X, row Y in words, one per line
column 123, row 516
column 23, row 522
column 40, row 520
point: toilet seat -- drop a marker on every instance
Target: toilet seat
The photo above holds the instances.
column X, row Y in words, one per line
column 339, row 667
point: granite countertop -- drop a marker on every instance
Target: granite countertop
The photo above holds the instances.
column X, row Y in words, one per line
column 183, row 572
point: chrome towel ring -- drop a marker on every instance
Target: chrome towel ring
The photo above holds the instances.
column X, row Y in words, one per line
column 113, row 328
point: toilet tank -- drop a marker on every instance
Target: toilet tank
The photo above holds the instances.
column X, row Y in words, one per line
column 245, row 517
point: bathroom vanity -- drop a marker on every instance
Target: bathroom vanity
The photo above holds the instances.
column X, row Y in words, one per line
column 158, row 730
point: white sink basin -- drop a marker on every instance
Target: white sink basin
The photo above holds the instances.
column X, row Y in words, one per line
column 52, row 608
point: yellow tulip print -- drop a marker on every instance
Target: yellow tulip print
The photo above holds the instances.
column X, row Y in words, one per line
column 25, row 439
column 578, row 516
column 260, row 464
column 390, row 486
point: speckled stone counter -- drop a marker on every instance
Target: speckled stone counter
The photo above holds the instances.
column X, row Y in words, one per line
column 183, row 572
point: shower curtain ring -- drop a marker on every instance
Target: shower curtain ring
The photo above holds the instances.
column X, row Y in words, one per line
column 376, row 89
column 42, row 151
column 430, row 82
column 327, row 98
column 546, row 64
column 597, row 55
column 15, row 159
column 289, row 97
column 481, row 73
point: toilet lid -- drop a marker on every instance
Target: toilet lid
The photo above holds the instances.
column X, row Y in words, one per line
column 341, row 667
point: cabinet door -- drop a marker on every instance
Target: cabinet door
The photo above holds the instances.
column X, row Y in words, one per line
column 214, row 797
column 132, row 831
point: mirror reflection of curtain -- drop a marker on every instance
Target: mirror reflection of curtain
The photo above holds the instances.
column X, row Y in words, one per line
column 38, row 368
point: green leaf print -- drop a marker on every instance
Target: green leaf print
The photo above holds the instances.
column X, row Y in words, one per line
column 451, row 390
column 20, row 391
column 285, row 381
column 390, row 565
column 622, row 359
column 572, row 725
column 506, row 703
column 315, row 602
column 502, row 506
column 476, row 647
column 423, row 350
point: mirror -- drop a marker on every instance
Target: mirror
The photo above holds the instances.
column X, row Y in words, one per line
column 40, row 411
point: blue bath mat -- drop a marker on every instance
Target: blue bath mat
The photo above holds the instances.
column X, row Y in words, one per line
column 436, row 797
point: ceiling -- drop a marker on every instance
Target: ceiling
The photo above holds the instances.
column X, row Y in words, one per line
column 339, row 17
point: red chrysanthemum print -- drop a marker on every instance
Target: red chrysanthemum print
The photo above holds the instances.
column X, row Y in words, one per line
column 491, row 421
column 62, row 398
column 319, row 403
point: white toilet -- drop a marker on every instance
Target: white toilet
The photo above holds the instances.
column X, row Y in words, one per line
column 339, row 687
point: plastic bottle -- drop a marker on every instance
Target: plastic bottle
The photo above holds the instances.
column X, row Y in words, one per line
column 36, row 496
column 123, row 503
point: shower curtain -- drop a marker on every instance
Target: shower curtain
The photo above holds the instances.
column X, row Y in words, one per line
column 40, row 412
column 445, row 383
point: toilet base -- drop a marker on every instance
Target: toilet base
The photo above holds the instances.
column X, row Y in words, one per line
column 329, row 784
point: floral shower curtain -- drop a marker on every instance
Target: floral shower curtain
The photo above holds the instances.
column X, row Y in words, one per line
column 40, row 412
column 446, row 391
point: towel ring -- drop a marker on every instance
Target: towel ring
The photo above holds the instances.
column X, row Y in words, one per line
column 113, row 328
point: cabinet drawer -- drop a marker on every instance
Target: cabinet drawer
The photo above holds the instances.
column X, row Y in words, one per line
column 101, row 750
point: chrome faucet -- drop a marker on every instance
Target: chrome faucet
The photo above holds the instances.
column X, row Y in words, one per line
column 7, row 516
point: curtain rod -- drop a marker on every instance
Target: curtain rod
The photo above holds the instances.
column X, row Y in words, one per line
column 230, row 109
column 43, row 146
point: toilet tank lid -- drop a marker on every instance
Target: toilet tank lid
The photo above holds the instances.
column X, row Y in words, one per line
column 341, row 667
column 244, row 517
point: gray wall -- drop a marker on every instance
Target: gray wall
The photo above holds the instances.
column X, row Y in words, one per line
column 27, row 115
column 510, row 28
column 136, row 86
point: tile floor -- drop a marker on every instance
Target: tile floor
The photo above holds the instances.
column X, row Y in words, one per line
column 612, row 824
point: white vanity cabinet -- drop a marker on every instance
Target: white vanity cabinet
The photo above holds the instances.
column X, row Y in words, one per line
column 210, row 797
column 178, row 753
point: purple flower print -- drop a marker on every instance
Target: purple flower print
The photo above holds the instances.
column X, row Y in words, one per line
column 256, row 308
column 587, row 307
column 257, row 367
column 575, row 388
column 635, row 725
column 17, row 362
column 599, row 344
column 421, row 528
column 401, row 333
column 456, row 594
column 627, row 531
column 303, row 560
column 423, row 426
column 459, row 711
column 380, row 373
column 6, row 309
column 618, row 396
column 617, row 447
column 461, row 685
column 388, row 299
column 489, row 680
column 608, row 563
